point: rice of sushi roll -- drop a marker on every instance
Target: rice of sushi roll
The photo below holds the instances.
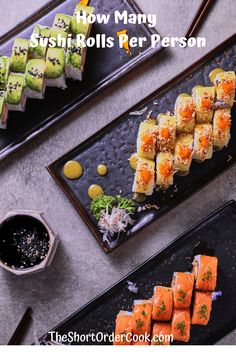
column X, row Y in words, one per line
column 15, row 97
column 144, row 177
column 161, row 333
column 203, row 146
column 225, row 83
column 221, row 128
column 180, row 325
column 205, row 272
column 201, row 308
column 54, row 72
column 3, row 111
column 166, row 132
column 182, row 287
column 183, row 154
column 185, row 114
column 34, row 78
column 19, row 56
column 147, row 140
column 124, row 328
column 75, row 60
column 77, row 26
column 164, row 170
column 40, row 33
column 204, row 99
column 5, row 63
column 162, row 303
column 61, row 26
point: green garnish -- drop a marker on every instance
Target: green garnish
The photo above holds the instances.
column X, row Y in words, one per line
column 203, row 312
column 182, row 295
column 100, row 204
column 158, row 342
column 207, row 275
column 139, row 323
column 125, row 203
column 122, row 335
column 144, row 313
column 162, row 309
column 181, row 327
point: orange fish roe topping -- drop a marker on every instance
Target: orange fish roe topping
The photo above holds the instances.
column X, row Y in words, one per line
column 187, row 111
column 166, row 168
column 223, row 122
column 145, row 174
column 228, row 86
column 204, row 141
column 184, row 152
column 165, row 133
column 206, row 102
column 148, row 142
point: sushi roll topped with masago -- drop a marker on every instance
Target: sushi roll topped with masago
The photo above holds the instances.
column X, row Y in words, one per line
column 166, row 132
column 185, row 114
column 144, row 179
column 147, row 140
column 204, row 99
column 205, row 272
column 225, row 83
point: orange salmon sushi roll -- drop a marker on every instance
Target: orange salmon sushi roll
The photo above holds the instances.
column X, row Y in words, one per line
column 182, row 287
column 201, row 308
column 124, row 328
column 161, row 334
column 205, row 272
column 225, row 83
column 162, row 303
column 180, row 325
column 142, row 314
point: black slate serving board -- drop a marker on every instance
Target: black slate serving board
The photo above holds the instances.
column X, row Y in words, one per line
column 103, row 66
column 214, row 235
column 115, row 143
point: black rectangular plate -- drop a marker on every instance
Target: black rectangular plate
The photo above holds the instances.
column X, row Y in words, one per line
column 216, row 233
column 114, row 144
column 103, row 66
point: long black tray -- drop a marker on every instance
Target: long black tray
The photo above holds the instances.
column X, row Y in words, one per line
column 103, row 66
column 213, row 235
column 115, row 143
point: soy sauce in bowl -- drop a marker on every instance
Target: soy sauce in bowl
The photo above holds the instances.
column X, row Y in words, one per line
column 24, row 242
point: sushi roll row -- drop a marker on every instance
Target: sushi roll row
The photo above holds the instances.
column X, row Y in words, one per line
column 168, row 315
column 34, row 66
column 167, row 146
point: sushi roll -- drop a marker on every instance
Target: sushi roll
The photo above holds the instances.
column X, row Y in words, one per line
column 19, row 55
column 124, row 328
column 180, row 325
column 147, row 139
column 201, row 308
column 162, row 303
column 15, row 97
column 204, row 99
column 164, row 170
column 161, row 333
column 185, row 114
column 182, row 287
column 202, row 145
column 75, row 60
column 34, row 78
column 41, row 33
column 3, row 111
column 166, row 132
column 54, row 72
column 205, row 272
column 183, row 154
column 5, row 63
column 221, row 128
column 142, row 313
column 225, row 87
column 60, row 28
column 77, row 25
column 144, row 177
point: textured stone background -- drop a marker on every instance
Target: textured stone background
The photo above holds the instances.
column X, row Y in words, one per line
column 81, row 270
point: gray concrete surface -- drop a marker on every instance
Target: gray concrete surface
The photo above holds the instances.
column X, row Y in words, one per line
column 81, row 270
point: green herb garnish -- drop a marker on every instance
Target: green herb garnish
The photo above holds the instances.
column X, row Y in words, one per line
column 181, row 327
column 203, row 312
column 125, row 203
column 122, row 335
column 139, row 323
column 100, row 204
column 162, row 309
column 207, row 275
column 182, row 294
column 144, row 313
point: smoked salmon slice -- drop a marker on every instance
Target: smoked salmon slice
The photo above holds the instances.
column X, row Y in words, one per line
column 161, row 333
column 124, row 328
column 205, row 272
column 142, row 314
column 182, row 287
column 201, row 308
column 162, row 303
column 180, row 325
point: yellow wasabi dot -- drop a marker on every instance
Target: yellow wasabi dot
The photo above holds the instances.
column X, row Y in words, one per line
column 102, row 170
column 95, row 191
column 73, row 170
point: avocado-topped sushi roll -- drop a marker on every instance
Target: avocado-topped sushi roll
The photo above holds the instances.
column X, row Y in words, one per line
column 19, row 55
column 221, row 128
column 15, row 97
column 144, row 177
column 180, row 325
column 4, row 71
column 225, row 87
column 34, row 78
column 3, row 111
column 204, row 99
column 142, row 314
column 203, row 146
column 182, row 287
column 75, row 60
column 185, row 114
column 166, row 132
column 201, row 308
column 77, row 24
column 61, row 27
column 161, row 333
column 205, row 272
column 183, row 154
column 147, row 140
column 164, row 170
column 162, row 303
column 124, row 328
column 55, row 63
column 41, row 33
